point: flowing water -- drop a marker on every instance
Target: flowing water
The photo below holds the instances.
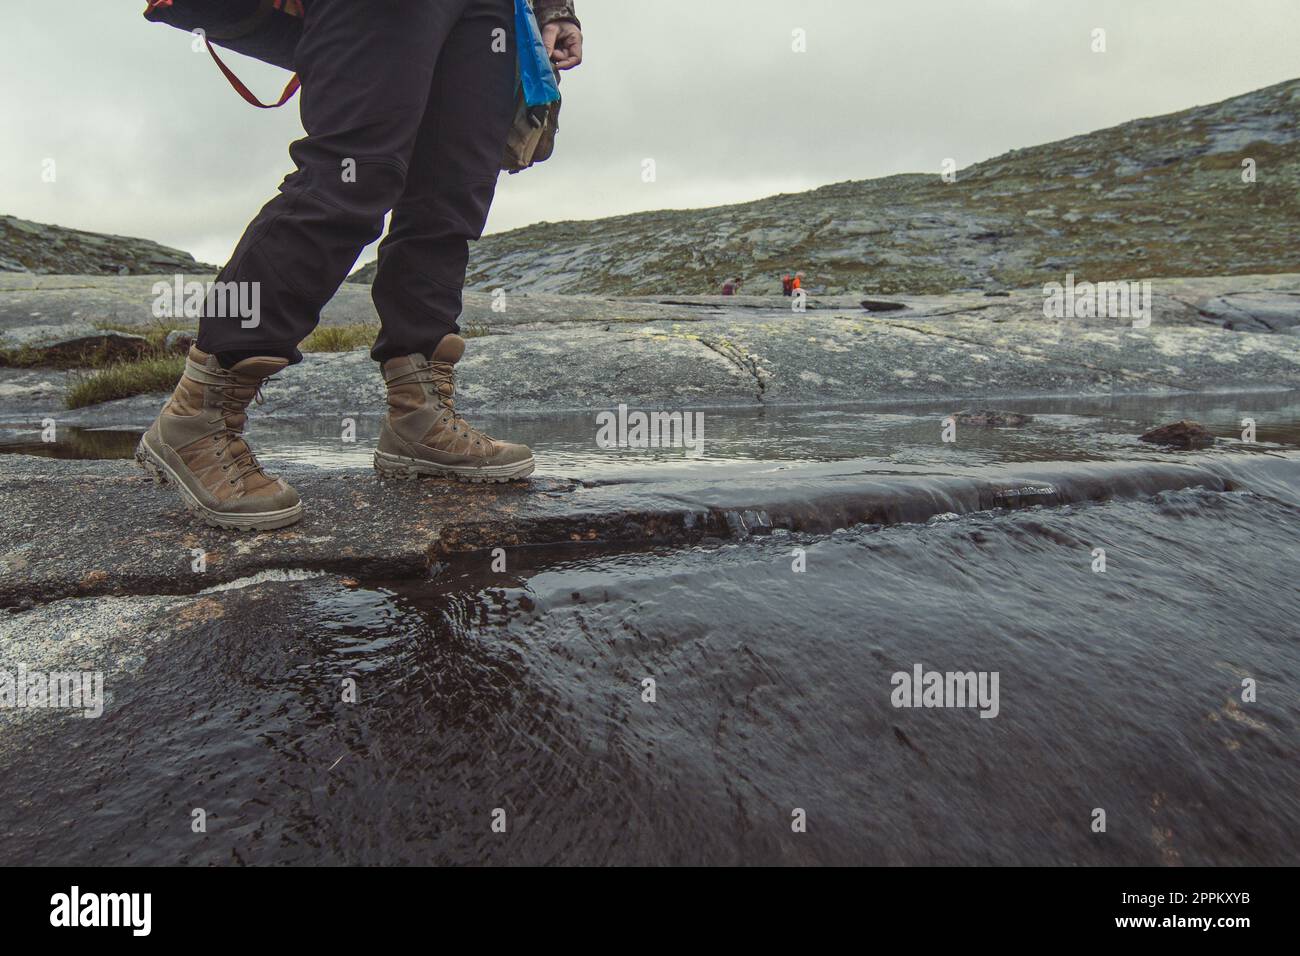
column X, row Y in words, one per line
column 733, row 701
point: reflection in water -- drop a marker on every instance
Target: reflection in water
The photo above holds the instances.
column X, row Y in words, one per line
column 1063, row 429
column 75, row 443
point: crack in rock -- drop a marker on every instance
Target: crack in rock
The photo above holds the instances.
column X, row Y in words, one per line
column 744, row 361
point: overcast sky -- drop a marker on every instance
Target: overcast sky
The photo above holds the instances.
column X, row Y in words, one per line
column 148, row 139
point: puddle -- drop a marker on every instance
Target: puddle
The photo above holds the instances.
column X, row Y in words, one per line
column 749, row 438
column 85, row 444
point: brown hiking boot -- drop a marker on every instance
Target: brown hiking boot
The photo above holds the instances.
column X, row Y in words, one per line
column 423, row 435
column 197, row 444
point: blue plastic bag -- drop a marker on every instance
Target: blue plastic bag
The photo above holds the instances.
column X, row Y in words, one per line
column 535, row 70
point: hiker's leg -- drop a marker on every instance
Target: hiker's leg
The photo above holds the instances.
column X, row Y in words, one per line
column 366, row 70
column 422, row 262
column 449, row 188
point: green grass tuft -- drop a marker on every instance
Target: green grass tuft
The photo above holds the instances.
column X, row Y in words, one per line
column 340, row 338
column 157, row 373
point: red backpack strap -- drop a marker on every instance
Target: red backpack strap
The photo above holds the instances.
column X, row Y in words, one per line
column 245, row 92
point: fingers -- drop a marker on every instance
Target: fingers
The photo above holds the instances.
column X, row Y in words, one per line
column 549, row 34
column 568, row 53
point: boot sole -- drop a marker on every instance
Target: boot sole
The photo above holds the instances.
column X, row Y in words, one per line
column 153, row 464
column 398, row 466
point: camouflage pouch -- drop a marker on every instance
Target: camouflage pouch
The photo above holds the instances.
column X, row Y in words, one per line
column 532, row 134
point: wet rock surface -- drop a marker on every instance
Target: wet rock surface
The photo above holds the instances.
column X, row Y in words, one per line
column 1180, row 434
column 84, row 528
column 991, row 418
column 525, row 684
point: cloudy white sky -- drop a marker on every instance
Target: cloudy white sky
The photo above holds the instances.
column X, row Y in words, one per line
column 149, row 140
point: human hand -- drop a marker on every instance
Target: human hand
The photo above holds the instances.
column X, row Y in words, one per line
column 563, row 44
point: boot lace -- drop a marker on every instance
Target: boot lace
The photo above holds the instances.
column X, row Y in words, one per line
column 438, row 374
column 245, row 463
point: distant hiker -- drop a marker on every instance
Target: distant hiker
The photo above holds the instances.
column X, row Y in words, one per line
column 796, row 282
column 787, row 284
column 407, row 108
column 731, row 287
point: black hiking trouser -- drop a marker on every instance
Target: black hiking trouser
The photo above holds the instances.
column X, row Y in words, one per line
column 407, row 105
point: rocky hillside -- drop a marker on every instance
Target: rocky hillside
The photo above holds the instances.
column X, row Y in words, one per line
column 1152, row 197
column 36, row 247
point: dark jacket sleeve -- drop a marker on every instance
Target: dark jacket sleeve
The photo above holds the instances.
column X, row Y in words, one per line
column 549, row 11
